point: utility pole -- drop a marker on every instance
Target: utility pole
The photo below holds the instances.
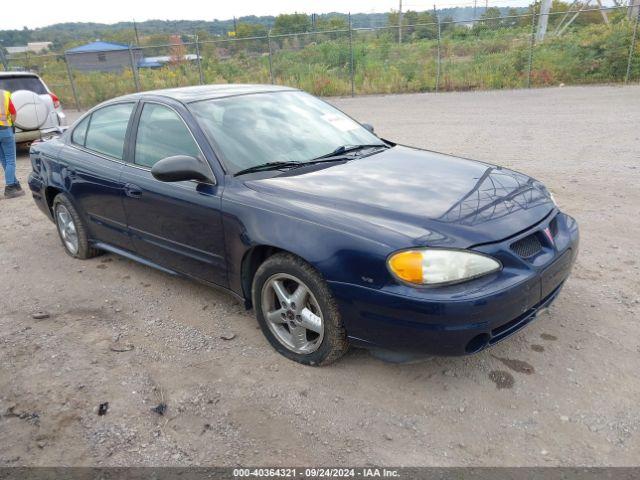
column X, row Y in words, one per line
column 235, row 26
column 135, row 29
column 543, row 20
column 475, row 7
column 400, row 22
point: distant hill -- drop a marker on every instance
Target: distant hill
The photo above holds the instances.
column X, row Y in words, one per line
column 66, row 34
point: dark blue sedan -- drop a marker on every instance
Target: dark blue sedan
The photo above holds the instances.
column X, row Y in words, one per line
column 334, row 235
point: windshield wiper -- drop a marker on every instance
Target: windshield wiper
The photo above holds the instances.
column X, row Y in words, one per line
column 341, row 150
column 338, row 154
column 263, row 167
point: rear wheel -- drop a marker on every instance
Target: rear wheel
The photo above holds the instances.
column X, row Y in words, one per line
column 71, row 229
column 297, row 312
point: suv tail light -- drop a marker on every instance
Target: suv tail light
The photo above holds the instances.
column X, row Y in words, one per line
column 56, row 100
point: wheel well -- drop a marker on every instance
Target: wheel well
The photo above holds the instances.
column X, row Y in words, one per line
column 250, row 263
column 49, row 194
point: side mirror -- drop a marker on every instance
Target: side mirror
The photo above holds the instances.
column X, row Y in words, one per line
column 368, row 127
column 181, row 167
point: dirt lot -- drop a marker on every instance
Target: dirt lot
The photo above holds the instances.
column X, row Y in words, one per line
column 566, row 389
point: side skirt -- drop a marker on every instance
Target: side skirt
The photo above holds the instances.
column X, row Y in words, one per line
column 148, row 263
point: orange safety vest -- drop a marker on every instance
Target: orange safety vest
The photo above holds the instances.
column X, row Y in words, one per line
column 5, row 116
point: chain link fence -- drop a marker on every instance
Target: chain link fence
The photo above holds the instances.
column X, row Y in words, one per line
column 439, row 55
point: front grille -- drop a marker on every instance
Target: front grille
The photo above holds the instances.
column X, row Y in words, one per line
column 527, row 247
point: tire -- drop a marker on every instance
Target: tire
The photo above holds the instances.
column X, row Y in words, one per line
column 324, row 341
column 63, row 209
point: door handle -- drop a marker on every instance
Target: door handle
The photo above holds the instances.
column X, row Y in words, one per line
column 133, row 191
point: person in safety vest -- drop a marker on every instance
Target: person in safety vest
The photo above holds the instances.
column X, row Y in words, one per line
column 8, row 146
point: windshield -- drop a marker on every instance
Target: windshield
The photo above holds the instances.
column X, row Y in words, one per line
column 251, row 130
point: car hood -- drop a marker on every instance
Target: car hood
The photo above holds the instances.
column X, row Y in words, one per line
column 434, row 199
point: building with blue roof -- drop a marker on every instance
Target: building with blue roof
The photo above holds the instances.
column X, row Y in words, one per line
column 102, row 57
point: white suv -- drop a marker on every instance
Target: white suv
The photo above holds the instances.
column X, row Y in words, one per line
column 39, row 112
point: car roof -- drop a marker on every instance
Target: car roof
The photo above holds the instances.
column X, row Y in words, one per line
column 18, row 74
column 207, row 92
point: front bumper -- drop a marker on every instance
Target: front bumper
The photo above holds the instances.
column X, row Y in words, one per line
column 469, row 317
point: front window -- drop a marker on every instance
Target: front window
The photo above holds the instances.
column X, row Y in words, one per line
column 161, row 134
column 252, row 130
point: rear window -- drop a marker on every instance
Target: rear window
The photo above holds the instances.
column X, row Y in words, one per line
column 33, row 84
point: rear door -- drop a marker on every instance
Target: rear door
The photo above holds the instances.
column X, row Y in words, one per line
column 176, row 225
column 94, row 169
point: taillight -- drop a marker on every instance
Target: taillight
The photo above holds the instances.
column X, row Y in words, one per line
column 56, row 100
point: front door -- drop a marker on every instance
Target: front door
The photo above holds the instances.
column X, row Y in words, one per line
column 176, row 225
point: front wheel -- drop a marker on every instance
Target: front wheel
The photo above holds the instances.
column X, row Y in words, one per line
column 297, row 312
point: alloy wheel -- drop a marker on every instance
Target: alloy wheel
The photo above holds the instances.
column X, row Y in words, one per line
column 67, row 229
column 292, row 313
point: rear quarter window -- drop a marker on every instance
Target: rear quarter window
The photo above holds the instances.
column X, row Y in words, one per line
column 33, row 84
column 79, row 133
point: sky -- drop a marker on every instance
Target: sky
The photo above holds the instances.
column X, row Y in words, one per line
column 39, row 13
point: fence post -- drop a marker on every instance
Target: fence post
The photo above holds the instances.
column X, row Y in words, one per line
column 531, row 43
column 3, row 59
column 270, row 56
column 200, row 73
column 134, row 69
column 632, row 49
column 435, row 14
column 400, row 23
column 351, row 72
column 72, row 82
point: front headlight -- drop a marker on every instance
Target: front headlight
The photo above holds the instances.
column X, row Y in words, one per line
column 440, row 266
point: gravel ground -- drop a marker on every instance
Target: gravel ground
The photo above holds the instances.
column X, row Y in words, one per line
column 562, row 392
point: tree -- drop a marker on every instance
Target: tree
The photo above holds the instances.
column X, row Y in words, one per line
column 249, row 30
column 292, row 23
column 492, row 18
column 245, row 30
column 332, row 23
column 177, row 51
column 513, row 21
column 427, row 26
